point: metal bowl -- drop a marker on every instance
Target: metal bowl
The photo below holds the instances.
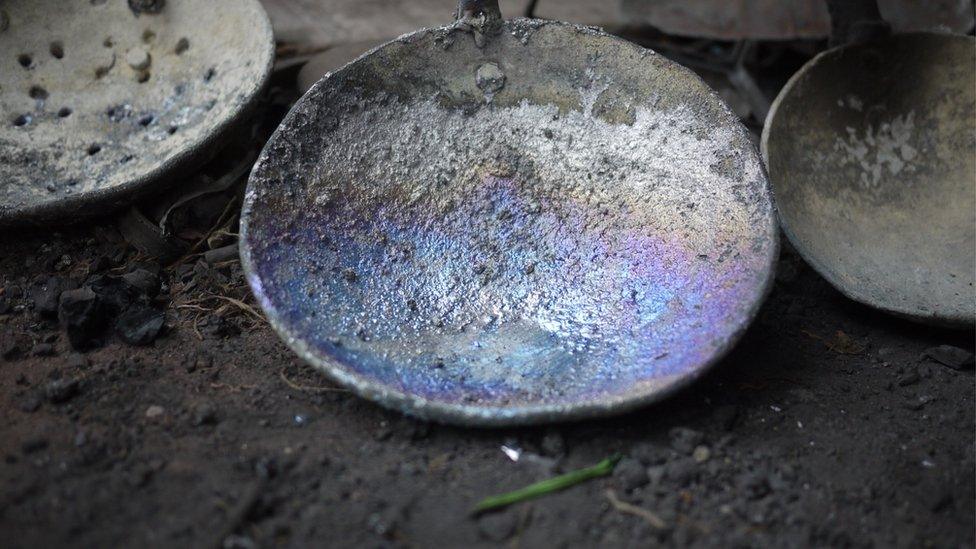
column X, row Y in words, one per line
column 558, row 225
column 102, row 100
column 871, row 149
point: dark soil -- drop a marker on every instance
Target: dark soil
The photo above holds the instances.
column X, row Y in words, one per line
column 826, row 426
column 829, row 425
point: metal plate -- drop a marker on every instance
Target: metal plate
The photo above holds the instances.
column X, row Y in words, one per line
column 99, row 102
column 560, row 225
column 751, row 19
column 872, row 151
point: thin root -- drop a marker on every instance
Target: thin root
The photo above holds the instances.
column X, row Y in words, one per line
column 624, row 507
column 306, row 388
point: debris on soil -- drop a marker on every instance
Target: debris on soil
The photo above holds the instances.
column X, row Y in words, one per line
column 497, row 527
column 648, row 516
column 143, row 281
column 62, row 390
column 204, row 414
column 82, row 316
column 46, row 295
column 840, row 343
column 754, row 485
column 76, row 361
column 631, row 474
column 553, row 444
column 549, row 486
column 685, row 440
column 953, row 357
column 701, row 454
column 44, row 349
column 103, row 301
column 35, row 444
column 139, row 325
column 154, row 411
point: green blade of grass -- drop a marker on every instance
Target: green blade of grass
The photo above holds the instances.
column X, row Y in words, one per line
column 548, row 486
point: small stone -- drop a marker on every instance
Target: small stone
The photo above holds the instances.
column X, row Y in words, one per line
column 143, row 281
column 138, row 59
column 35, row 444
column 417, row 430
column 61, row 390
column 76, row 361
column 497, row 527
column 953, row 357
column 384, row 432
column 553, row 444
column 10, row 348
column 44, row 349
column 656, row 474
column 46, row 295
column 154, row 411
column 886, row 354
column 30, row 404
column 650, row 454
column 685, row 440
column 140, row 476
column 385, row 523
column 83, row 317
column 911, row 377
column 701, row 454
column 754, row 485
column 349, row 275
column 204, row 414
column 631, row 474
column 916, row 404
column 682, row 472
column 140, row 325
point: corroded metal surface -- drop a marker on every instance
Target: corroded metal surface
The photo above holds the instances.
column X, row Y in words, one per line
column 559, row 225
column 751, row 19
column 100, row 102
column 872, row 154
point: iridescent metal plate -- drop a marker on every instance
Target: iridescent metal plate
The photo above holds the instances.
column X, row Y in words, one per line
column 871, row 149
column 559, row 225
column 104, row 101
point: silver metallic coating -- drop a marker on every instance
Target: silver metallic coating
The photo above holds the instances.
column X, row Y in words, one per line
column 558, row 225
column 100, row 104
column 872, row 153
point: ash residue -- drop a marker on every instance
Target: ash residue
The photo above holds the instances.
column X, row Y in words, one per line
column 583, row 243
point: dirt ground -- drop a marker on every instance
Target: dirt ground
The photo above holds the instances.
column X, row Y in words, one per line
column 827, row 426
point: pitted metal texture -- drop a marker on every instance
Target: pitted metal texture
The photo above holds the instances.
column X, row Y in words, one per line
column 871, row 150
column 557, row 225
column 102, row 101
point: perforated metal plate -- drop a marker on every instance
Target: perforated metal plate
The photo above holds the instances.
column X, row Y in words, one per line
column 100, row 101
